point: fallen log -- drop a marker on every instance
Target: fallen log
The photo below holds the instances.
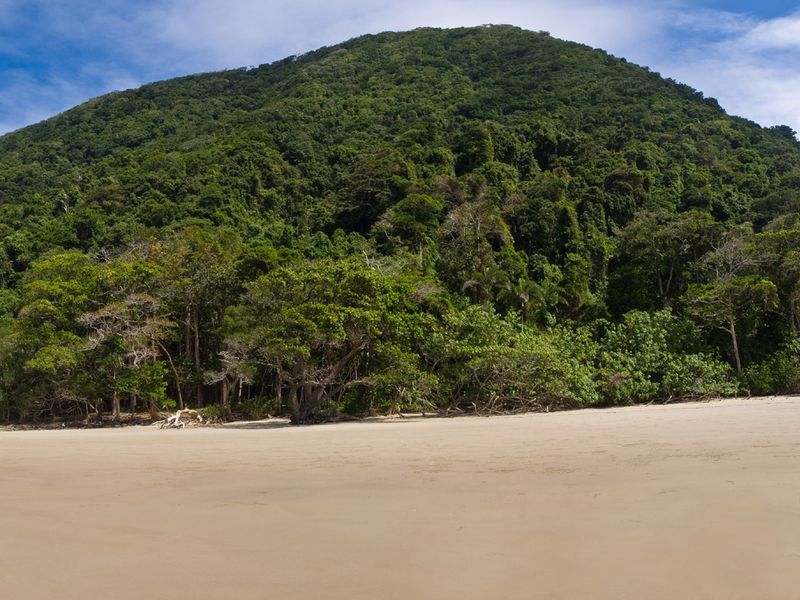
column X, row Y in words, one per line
column 182, row 418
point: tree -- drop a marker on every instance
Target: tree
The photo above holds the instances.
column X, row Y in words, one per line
column 477, row 251
column 778, row 249
column 323, row 329
column 235, row 370
column 732, row 304
column 134, row 325
column 376, row 181
column 735, row 298
column 529, row 298
column 656, row 251
column 41, row 350
column 198, row 281
column 412, row 222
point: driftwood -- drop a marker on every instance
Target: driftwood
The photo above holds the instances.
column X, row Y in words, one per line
column 182, row 418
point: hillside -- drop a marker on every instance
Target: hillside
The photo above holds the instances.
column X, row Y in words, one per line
column 441, row 219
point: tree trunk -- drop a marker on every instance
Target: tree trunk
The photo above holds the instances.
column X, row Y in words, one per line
column 187, row 332
column 313, row 395
column 225, row 391
column 294, row 403
column 732, row 331
column 115, row 407
column 793, row 316
column 669, row 285
column 175, row 373
column 197, row 365
column 152, row 409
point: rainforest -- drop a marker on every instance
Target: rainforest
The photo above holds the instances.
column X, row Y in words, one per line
column 479, row 220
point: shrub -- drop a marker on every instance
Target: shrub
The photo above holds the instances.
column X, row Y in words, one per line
column 488, row 363
column 658, row 356
column 779, row 374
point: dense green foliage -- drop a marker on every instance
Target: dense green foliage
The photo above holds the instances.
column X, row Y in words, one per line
column 476, row 219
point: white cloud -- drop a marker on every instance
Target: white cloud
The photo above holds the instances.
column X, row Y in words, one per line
column 752, row 71
column 776, row 34
column 752, row 89
column 59, row 53
column 749, row 65
column 710, row 22
column 25, row 99
column 245, row 32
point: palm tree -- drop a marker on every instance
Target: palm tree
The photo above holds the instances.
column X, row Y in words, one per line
column 483, row 285
column 527, row 297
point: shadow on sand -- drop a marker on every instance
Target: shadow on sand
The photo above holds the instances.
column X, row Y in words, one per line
column 285, row 423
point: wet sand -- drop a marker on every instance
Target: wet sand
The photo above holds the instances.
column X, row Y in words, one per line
column 687, row 501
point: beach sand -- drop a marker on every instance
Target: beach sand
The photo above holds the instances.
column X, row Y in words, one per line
column 686, row 501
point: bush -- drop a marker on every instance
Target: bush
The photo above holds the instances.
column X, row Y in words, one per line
column 534, row 371
column 256, row 408
column 779, row 374
column 488, row 363
column 658, row 356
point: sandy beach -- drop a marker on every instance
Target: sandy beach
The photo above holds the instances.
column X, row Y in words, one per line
column 686, row 501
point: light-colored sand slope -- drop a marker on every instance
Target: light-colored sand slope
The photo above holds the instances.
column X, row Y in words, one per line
column 690, row 501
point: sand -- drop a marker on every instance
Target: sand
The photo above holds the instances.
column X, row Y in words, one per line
column 687, row 501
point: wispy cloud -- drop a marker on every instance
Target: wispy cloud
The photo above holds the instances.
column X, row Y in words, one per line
column 59, row 52
column 26, row 99
column 752, row 70
column 782, row 33
column 709, row 23
column 247, row 31
column 56, row 54
column 207, row 34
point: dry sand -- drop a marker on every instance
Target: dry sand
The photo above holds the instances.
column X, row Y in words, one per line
column 687, row 501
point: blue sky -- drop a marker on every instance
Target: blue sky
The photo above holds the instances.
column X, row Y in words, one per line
column 55, row 54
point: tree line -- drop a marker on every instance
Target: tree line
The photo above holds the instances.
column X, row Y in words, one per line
column 202, row 318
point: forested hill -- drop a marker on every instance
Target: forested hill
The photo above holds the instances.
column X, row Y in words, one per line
column 470, row 219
